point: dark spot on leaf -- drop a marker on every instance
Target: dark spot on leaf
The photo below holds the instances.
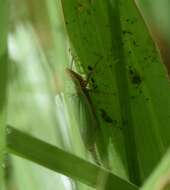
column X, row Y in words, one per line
column 105, row 116
column 92, row 79
column 90, row 68
column 124, row 122
column 95, row 86
column 132, row 97
column 131, row 71
column 135, row 76
column 85, row 39
column 89, row 12
column 127, row 32
column 134, row 43
column 121, row 43
column 136, row 79
column 140, row 91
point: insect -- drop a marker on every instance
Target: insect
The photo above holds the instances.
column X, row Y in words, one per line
column 90, row 133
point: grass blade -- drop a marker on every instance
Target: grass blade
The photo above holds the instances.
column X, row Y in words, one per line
column 3, row 83
column 60, row 161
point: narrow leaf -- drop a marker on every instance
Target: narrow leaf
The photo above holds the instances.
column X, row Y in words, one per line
column 148, row 91
column 3, row 83
column 63, row 162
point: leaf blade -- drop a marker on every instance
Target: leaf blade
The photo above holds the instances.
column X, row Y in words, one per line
column 3, row 84
column 35, row 150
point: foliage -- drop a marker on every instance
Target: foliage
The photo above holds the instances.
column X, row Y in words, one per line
column 108, row 125
column 3, row 84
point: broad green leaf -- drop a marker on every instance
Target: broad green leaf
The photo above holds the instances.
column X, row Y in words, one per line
column 130, row 85
column 3, row 83
column 149, row 91
column 23, row 145
column 89, row 29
